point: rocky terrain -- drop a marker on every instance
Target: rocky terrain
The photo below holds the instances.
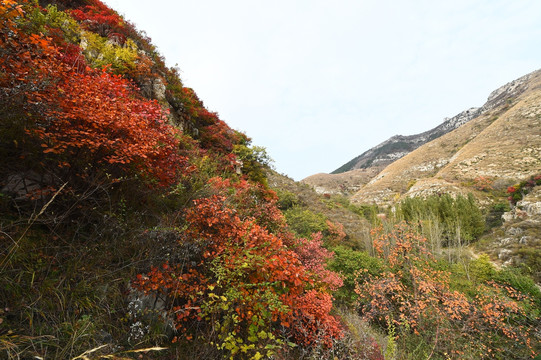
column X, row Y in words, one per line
column 399, row 145
column 479, row 142
column 518, row 241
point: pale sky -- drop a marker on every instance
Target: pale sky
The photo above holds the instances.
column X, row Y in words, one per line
column 320, row 82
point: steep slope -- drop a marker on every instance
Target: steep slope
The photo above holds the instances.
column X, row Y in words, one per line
column 132, row 219
column 503, row 144
column 347, row 179
column 400, row 145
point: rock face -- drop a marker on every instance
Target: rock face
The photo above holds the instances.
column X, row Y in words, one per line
column 528, row 207
column 518, row 241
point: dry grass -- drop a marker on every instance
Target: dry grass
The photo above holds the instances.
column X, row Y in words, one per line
column 346, row 183
column 502, row 143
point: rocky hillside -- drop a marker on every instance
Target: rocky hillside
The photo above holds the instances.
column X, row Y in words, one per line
column 399, row 145
column 518, row 241
column 503, row 144
column 132, row 219
column 459, row 150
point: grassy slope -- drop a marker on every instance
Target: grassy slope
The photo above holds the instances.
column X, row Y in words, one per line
column 491, row 145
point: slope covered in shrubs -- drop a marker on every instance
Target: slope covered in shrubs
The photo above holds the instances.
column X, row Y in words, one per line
column 132, row 217
column 135, row 223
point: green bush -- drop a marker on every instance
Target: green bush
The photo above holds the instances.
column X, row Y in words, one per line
column 43, row 21
column 531, row 261
column 305, row 222
column 494, row 216
column 348, row 263
column 254, row 161
column 100, row 52
column 521, row 282
column 481, row 269
column 286, row 199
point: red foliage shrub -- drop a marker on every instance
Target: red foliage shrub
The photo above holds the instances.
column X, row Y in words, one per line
column 263, row 283
column 99, row 117
column 336, row 232
column 415, row 296
column 214, row 134
column 313, row 256
column 312, row 322
column 483, row 183
column 253, row 201
column 99, row 18
column 84, row 117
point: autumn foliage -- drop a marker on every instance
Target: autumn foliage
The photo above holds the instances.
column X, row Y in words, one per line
column 246, row 278
column 85, row 116
column 414, row 295
column 98, row 18
column 97, row 116
column 236, row 279
column 185, row 215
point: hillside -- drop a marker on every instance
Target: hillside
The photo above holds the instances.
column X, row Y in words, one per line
column 493, row 145
column 136, row 224
column 399, row 145
column 335, row 208
column 346, row 183
column 382, row 174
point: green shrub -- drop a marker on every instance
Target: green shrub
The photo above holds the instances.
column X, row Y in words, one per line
column 348, row 263
column 100, row 52
column 521, row 282
column 286, row 199
column 254, row 161
column 531, row 261
column 305, row 222
column 43, row 21
column 494, row 216
column 481, row 269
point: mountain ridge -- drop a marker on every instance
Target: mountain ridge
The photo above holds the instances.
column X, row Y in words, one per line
column 491, row 146
column 389, row 150
column 376, row 159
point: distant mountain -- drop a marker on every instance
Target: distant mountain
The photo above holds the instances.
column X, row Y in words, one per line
column 420, row 156
column 502, row 144
column 399, row 145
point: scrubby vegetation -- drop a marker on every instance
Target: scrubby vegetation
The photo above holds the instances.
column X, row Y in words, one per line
column 435, row 312
column 445, row 220
column 135, row 223
column 103, row 195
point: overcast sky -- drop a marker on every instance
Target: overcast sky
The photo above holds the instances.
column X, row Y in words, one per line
column 319, row 82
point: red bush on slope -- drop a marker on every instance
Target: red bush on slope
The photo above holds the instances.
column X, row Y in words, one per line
column 90, row 116
column 246, row 279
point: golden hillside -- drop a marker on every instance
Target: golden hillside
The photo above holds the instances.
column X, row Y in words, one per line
column 346, row 183
column 503, row 144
